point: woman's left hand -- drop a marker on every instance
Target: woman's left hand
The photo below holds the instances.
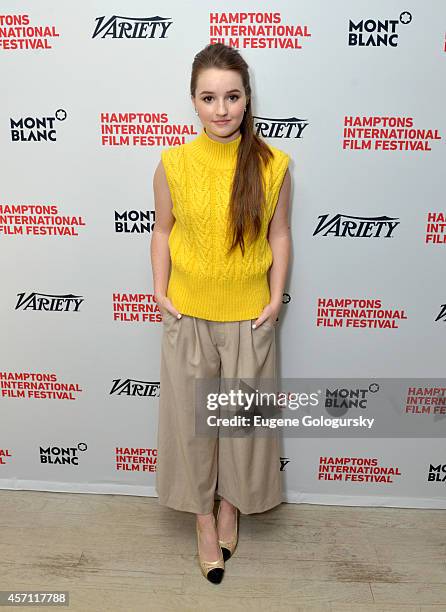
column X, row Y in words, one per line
column 269, row 313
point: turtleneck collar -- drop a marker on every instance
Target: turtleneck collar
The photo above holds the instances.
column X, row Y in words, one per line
column 214, row 153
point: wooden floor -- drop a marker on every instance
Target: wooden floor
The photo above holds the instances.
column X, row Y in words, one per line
column 130, row 554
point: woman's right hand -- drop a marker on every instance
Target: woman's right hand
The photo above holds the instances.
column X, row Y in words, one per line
column 165, row 304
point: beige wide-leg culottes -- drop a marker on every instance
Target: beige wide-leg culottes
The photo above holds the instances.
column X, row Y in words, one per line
column 192, row 468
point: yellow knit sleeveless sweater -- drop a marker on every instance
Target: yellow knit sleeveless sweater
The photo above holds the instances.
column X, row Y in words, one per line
column 204, row 281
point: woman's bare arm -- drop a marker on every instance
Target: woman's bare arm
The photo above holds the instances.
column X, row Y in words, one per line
column 159, row 247
column 279, row 238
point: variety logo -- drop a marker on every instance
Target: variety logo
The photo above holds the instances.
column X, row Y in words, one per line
column 18, row 33
column 48, row 302
column 256, row 30
column 136, row 459
column 135, row 388
column 268, row 127
column 347, row 312
column 386, row 134
column 355, row 469
column 426, row 400
column 37, row 220
column 436, row 228
column 284, row 461
column 340, row 225
column 131, row 27
column 62, row 455
column 33, row 385
column 376, row 32
column 339, row 401
column 442, row 314
column 134, row 222
column 37, row 129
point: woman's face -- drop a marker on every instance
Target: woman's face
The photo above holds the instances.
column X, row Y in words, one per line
column 220, row 101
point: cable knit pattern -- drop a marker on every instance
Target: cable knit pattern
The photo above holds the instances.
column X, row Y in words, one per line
column 205, row 282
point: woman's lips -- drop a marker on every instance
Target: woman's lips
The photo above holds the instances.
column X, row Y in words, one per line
column 221, row 122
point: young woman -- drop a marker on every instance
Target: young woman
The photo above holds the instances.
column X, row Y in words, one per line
column 221, row 203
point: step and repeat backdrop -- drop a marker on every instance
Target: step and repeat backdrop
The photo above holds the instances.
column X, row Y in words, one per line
column 355, row 93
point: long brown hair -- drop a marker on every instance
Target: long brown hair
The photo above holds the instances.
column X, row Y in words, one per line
column 248, row 189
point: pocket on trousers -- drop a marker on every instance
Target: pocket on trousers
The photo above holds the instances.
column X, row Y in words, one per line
column 168, row 317
column 266, row 325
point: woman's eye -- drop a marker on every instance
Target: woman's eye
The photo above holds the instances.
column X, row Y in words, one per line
column 205, row 99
